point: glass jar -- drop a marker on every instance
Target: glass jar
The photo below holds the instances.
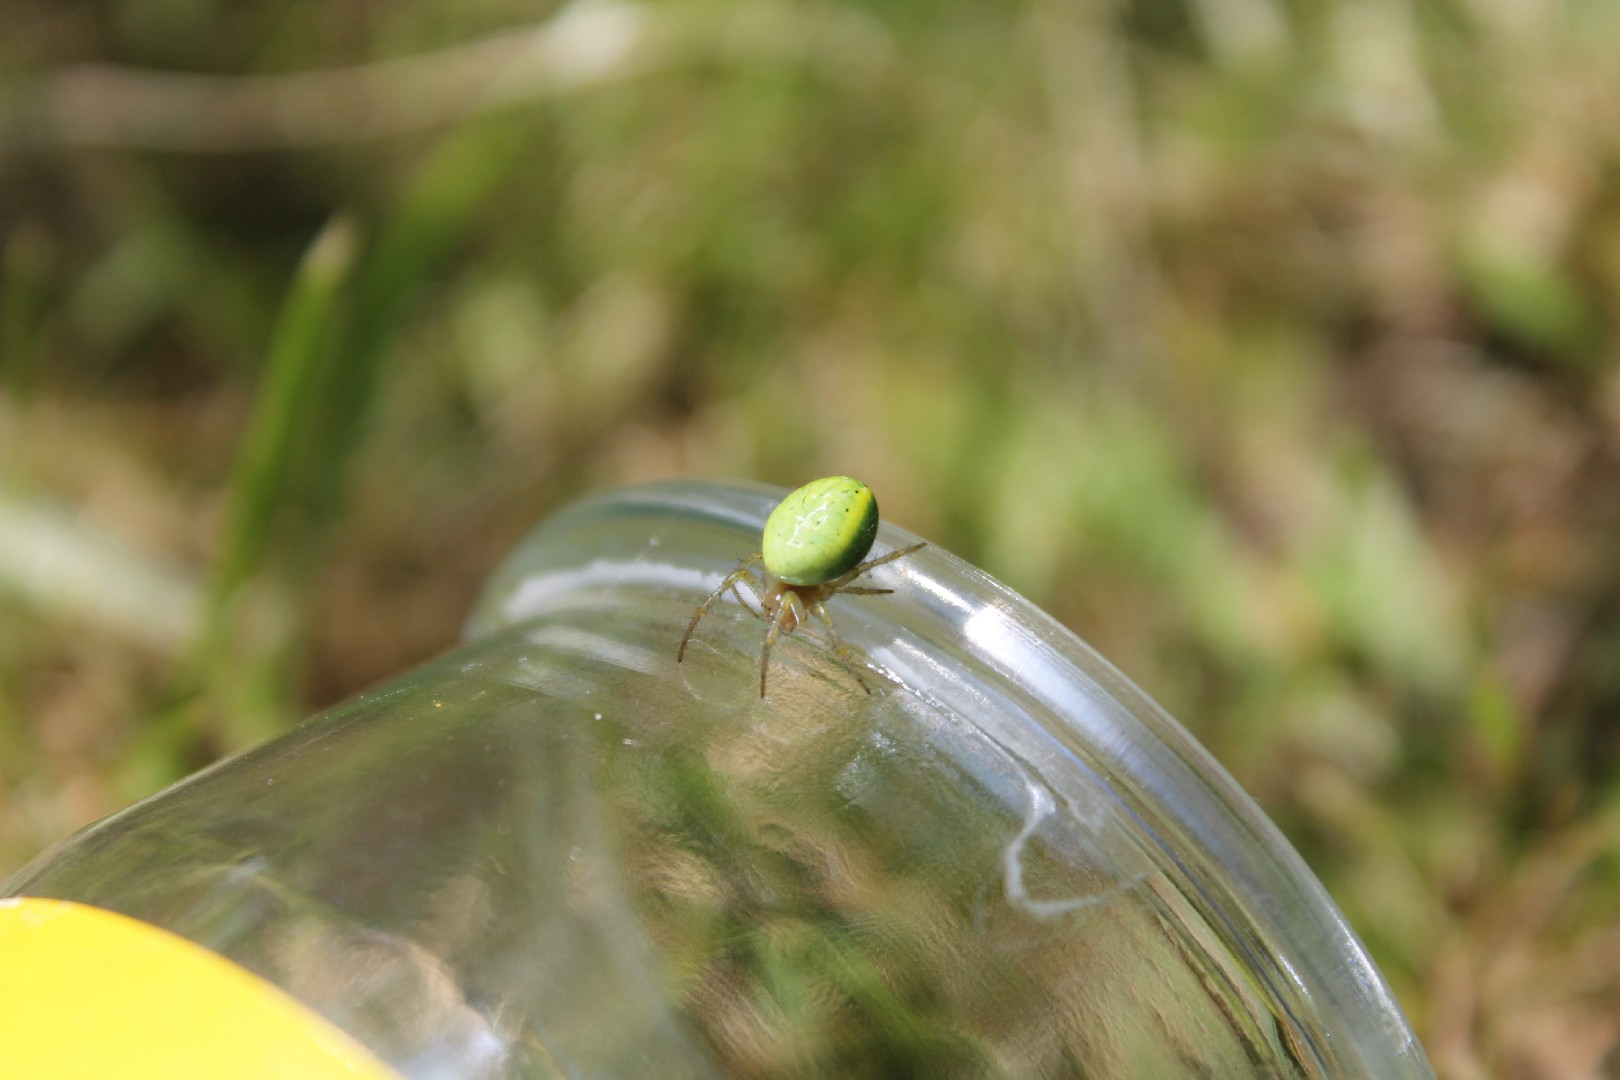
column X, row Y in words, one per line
column 555, row 852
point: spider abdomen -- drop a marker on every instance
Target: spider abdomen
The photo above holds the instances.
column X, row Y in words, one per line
column 820, row 531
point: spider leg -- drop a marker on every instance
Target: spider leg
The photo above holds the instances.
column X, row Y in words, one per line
column 840, row 582
column 862, row 590
column 743, row 600
column 759, row 586
column 703, row 609
column 777, row 623
column 840, row 650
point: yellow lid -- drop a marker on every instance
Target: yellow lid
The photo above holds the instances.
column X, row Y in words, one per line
column 86, row 994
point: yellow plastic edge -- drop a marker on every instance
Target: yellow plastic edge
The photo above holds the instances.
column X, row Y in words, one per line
column 87, row 994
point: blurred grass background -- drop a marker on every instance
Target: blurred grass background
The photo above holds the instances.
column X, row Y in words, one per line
column 1272, row 345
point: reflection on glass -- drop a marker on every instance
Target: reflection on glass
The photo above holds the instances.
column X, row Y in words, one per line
column 556, row 853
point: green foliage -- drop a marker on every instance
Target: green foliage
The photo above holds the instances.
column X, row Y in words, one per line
column 1271, row 346
column 262, row 482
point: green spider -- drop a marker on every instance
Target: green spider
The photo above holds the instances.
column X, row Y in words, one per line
column 812, row 547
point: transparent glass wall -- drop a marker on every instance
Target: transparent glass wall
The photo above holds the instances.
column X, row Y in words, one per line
column 557, row 853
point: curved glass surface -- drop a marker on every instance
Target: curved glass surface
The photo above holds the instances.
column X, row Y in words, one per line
column 1108, row 831
column 556, row 852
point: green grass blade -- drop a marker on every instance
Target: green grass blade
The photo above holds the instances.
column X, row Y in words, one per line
column 437, row 210
column 266, row 466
